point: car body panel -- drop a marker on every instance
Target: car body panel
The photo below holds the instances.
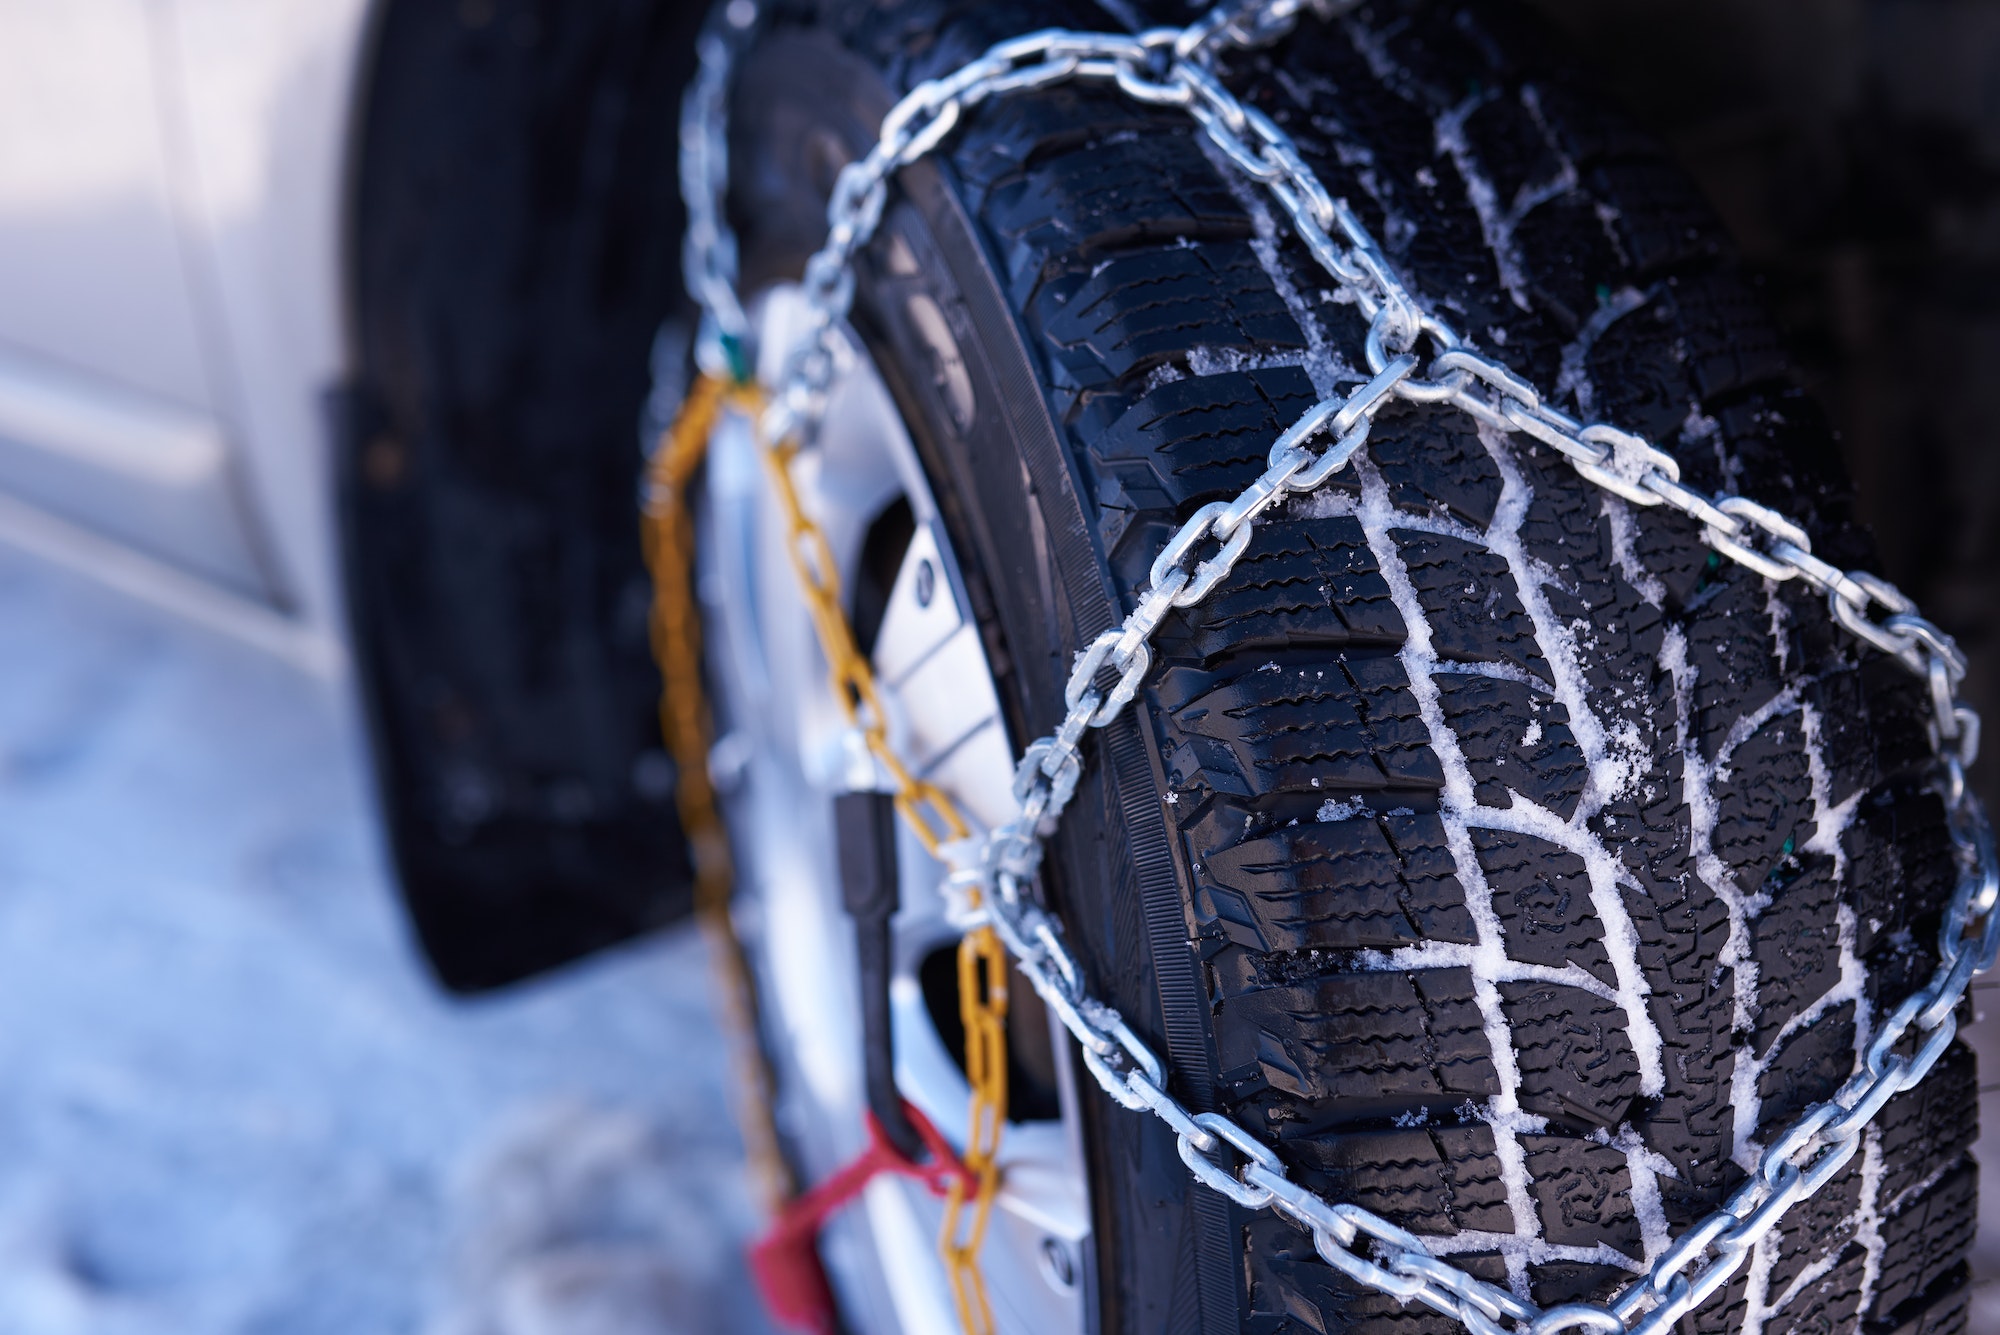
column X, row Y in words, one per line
column 170, row 311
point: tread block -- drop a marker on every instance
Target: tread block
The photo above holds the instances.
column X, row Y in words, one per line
column 1554, row 1283
column 1661, row 222
column 1676, row 556
column 1302, row 583
column 1542, row 896
column 1735, row 671
column 1513, row 737
column 1576, row 1061
column 1796, row 946
column 1778, row 442
column 1428, row 1179
column 1469, row 599
column 1583, row 1192
column 1070, row 205
column 1513, row 148
column 1694, row 1125
column 1900, row 863
column 1812, row 1064
column 1724, row 1312
column 1562, row 241
column 1830, row 1304
column 1816, row 1227
column 1927, row 1238
column 1370, row 883
column 1871, row 728
column 1189, row 441
column 1724, row 334
column 1928, row 1126
column 1361, row 1037
column 1433, row 462
column 1587, row 130
column 1340, row 724
column 1006, row 135
column 1703, row 336
column 1373, row 141
column 1945, row 1310
column 1898, row 967
column 1617, row 634
column 1139, row 310
column 1643, row 384
column 1681, row 924
column 1563, row 525
column 1764, row 800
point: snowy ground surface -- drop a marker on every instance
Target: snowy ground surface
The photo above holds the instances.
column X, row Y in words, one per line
column 231, row 1103
column 230, row 1100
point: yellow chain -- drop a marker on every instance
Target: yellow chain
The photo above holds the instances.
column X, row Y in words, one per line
column 982, row 1005
column 929, row 812
column 667, row 531
column 982, row 961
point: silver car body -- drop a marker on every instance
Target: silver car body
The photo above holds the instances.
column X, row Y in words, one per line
column 170, row 317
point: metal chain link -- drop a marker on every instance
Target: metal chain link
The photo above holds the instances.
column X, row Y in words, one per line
column 1178, row 67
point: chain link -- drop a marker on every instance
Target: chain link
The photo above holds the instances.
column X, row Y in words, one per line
column 995, row 873
column 934, row 818
column 674, row 625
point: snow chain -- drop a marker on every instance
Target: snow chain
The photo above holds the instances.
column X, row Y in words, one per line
column 685, row 723
column 1177, row 67
column 667, row 533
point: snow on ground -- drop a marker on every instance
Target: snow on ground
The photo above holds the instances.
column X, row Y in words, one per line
column 230, row 1099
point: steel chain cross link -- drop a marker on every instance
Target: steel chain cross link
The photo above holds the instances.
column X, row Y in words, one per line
column 1414, row 355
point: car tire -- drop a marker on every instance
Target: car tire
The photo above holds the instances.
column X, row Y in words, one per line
column 1505, row 859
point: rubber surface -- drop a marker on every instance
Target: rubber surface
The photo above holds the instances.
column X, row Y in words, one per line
column 514, row 177
column 1511, row 863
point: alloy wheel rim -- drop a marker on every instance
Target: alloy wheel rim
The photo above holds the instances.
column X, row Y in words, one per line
column 783, row 752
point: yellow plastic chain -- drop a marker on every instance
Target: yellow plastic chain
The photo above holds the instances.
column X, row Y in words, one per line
column 667, row 533
column 929, row 812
